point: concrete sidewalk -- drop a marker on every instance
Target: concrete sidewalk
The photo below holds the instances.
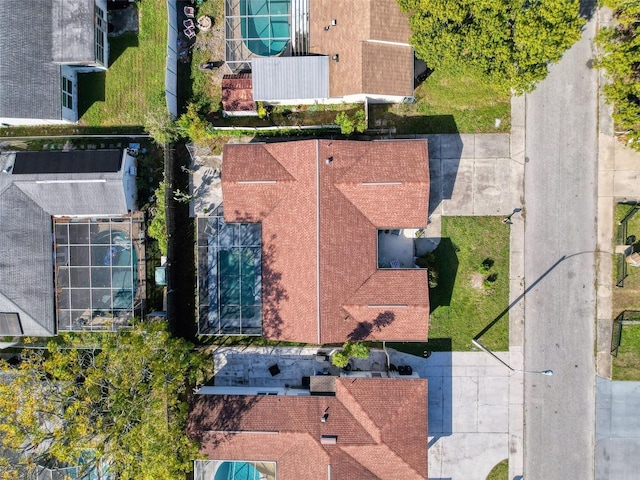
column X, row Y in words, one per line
column 618, row 181
column 516, row 288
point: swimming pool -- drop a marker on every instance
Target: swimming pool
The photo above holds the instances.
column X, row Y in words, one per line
column 265, row 25
column 236, row 471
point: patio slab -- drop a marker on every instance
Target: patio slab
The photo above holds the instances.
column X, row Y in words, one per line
column 249, row 366
column 205, row 184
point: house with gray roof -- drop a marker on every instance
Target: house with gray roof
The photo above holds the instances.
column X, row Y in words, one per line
column 44, row 44
column 72, row 242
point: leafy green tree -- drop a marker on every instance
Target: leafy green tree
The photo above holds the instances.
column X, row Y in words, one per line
column 620, row 58
column 160, row 126
column 350, row 349
column 511, row 41
column 193, row 125
column 120, row 396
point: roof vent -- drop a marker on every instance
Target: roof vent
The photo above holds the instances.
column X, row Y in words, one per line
column 333, row 23
column 324, row 417
column 329, row 439
column 335, row 58
column 329, row 160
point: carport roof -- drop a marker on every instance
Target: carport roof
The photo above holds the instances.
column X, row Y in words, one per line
column 285, row 78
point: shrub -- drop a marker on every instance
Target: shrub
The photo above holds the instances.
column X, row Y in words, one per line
column 262, row 111
column 339, row 359
column 350, row 349
column 349, row 124
column 428, row 260
column 193, row 125
column 485, row 266
column 158, row 226
column 356, row 350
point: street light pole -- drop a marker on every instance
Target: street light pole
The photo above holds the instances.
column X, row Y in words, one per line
column 531, row 372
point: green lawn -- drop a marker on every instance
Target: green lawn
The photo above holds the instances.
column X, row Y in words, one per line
column 627, row 297
column 626, row 366
column 464, row 303
column 206, row 87
column 449, row 101
column 134, row 83
column 500, row 471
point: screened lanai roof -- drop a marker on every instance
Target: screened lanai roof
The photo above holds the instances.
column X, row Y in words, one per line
column 229, row 276
column 262, row 28
column 99, row 272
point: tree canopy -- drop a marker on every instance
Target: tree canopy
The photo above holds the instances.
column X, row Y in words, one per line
column 119, row 396
column 511, row 41
column 620, row 57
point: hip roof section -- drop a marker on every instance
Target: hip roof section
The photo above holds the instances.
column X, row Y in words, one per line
column 380, row 425
column 372, row 42
column 321, row 203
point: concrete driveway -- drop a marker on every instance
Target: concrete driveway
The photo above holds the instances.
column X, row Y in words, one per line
column 470, row 174
column 468, row 411
column 617, row 430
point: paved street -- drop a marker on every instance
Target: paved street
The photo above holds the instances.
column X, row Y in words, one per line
column 560, row 240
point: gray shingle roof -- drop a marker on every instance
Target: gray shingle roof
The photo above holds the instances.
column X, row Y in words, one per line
column 29, row 80
column 26, row 262
column 73, row 35
column 77, row 197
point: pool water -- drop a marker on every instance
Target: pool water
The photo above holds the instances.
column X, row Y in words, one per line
column 265, row 28
column 116, row 252
column 236, row 471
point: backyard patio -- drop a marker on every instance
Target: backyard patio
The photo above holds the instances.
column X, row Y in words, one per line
column 249, row 366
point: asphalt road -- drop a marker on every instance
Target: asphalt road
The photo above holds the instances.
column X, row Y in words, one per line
column 560, row 238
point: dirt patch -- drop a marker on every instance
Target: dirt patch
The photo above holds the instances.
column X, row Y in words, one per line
column 477, row 281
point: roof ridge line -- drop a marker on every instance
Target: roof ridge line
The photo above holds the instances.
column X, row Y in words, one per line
column 361, row 415
column 17, row 185
column 404, row 402
column 389, row 450
column 292, row 177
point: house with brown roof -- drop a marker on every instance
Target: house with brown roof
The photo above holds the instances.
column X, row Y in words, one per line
column 322, row 206
column 322, row 51
column 355, row 433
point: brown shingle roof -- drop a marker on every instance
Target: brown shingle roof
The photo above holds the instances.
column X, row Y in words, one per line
column 320, row 282
column 365, row 65
column 380, row 424
column 237, row 93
